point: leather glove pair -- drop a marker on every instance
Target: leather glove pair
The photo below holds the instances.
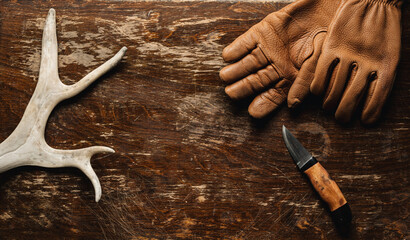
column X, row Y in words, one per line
column 347, row 47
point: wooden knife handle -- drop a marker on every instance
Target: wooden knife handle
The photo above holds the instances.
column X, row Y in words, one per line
column 325, row 186
column 331, row 194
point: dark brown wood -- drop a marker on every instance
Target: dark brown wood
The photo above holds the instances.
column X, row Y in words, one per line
column 326, row 186
column 189, row 162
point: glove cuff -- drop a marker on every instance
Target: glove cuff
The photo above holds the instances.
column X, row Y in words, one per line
column 395, row 3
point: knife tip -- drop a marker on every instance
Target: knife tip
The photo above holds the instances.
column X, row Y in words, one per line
column 284, row 130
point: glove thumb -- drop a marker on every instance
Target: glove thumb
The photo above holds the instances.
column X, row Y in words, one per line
column 300, row 89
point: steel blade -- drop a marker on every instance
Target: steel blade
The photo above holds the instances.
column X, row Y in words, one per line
column 299, row 154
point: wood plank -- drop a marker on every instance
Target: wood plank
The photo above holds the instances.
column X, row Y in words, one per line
column 189, row 162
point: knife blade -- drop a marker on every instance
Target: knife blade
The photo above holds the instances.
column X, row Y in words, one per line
column 321, row 181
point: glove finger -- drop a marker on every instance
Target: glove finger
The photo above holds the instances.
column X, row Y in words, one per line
column 352, row 95
column 253, row 83
column 323, row 73
column 337, row 84
column 379, row 90
column 241, row 46
column 246, row 66
column 301, row 87
column 269, row 100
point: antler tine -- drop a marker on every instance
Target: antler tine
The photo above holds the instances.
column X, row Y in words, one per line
column 72, row 90
column 49, row 51
column 83, row 157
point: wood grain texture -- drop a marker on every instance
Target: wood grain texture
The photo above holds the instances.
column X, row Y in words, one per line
column 326, row 186
column 189, row 162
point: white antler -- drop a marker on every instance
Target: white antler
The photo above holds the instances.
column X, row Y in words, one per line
column 26, row 145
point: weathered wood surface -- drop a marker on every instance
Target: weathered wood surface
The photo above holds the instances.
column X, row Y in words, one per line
column 189, row 162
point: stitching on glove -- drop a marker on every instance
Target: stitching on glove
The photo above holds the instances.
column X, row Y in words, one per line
column 395, row 3
column 310, row 42
column 280, row 74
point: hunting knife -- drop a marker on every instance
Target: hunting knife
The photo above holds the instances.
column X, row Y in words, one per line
column 321, row 181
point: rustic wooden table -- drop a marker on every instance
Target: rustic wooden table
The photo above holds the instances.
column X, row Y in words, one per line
column 189, row 162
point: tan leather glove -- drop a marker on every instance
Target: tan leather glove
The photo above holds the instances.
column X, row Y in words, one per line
column 280, row 50
column 359, row 58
